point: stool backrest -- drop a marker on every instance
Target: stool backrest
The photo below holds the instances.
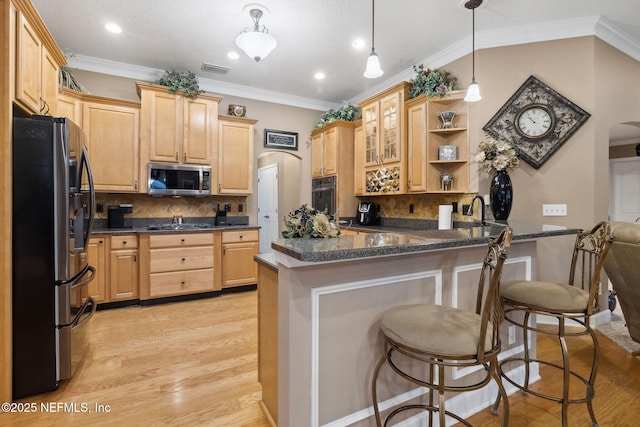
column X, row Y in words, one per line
column 589, row 254
column 488, row 303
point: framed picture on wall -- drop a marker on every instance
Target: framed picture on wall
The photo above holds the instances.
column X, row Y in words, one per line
column 280, row 139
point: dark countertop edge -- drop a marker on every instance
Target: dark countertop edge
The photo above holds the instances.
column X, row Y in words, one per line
column 350, row 254
column 138, row 230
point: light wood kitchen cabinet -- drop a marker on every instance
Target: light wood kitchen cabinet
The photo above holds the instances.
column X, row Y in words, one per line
column 112, row 130
column 37, row 62
column 238, row 266
column 333, row 155
column 123, row 268
column 176, row 129
column 70, row 105
column 179, row 264
column 235, row 155
column 115, row 259
column 358, row 160
column 332, row 148
column 385, row 141
column 96, row 251
column 426, row 135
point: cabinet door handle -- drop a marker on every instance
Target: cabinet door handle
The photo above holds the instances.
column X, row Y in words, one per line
column 184, row 259
column 177, row 156
column 135, row 184
column 135, row 257
column 182, row 240
column 185, row 156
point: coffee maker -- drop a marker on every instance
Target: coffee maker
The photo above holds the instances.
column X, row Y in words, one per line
column 367, row 213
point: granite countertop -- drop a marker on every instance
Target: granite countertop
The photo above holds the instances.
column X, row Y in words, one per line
column 163, row 225
column 380, row 240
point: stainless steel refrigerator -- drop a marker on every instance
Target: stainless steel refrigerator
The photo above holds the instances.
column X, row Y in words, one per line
column 53, row 211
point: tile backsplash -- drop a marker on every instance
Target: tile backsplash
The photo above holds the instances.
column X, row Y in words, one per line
column 424, row 206
column 145, row 206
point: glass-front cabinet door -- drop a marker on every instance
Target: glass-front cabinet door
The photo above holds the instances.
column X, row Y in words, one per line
column 370, row 118
column 390, row 123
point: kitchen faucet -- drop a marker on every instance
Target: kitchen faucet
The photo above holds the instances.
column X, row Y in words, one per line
column 469, row 211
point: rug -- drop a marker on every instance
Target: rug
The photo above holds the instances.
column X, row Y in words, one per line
column 617, row 331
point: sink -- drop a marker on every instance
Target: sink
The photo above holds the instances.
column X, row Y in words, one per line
column 194, row 226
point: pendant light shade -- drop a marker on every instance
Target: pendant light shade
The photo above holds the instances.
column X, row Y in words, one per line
column 373, row 69
column 257, row 44
column 473, row 92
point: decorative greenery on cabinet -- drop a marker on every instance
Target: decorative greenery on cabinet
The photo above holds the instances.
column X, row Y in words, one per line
column 181, row 81
column 431, row 82
column 348, row 113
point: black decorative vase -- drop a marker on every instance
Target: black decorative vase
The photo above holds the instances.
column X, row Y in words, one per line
column 501, row 194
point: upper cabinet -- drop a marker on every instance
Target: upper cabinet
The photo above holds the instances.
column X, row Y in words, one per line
column 331, row 147
column 37, row 61
column 235, row 155
column 176, row 129
column 438, row 144
column 112, row 130
column 385, row 141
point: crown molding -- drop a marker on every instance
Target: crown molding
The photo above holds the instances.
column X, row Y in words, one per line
column 510, row 36
column 534, row 33
column 136, row 72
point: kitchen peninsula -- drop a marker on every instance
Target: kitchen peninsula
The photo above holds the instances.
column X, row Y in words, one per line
column 329, row 294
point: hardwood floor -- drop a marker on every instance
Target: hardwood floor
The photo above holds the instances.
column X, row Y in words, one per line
column 189, row 363
column 195, row 364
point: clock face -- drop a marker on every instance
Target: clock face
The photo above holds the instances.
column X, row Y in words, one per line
column 535, row 121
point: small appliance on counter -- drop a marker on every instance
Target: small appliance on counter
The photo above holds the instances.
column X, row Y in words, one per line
column 115, row 215
column 221, row 217
column 367, row 213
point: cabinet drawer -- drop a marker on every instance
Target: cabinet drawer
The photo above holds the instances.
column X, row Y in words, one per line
column 178, row 259
column 128, row 241
column 178, row 240
column 180, row 282
column 239, row 236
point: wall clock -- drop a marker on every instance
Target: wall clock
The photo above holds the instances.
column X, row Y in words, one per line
column 537, row 120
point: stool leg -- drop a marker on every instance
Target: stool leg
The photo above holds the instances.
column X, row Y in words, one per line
column 592, row 377
column 525, row 342
column 493, row 367
column 441, row 409
column 374, row 388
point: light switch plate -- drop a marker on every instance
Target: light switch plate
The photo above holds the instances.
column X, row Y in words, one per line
column 554, row 210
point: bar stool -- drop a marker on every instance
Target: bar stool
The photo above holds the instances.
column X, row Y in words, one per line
column 445, row 337
column 573, row 302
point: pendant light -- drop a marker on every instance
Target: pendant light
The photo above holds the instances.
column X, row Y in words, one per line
column 257, row 44
column 373, row 69
column 473, row 92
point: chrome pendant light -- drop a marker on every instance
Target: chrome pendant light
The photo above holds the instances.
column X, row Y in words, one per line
column 473, row 92
column 257, row 44
column 373, row 69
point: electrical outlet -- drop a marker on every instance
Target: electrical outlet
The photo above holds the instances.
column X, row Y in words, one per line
column 465, row 209
column 99, row 208
column 227, row 207
column 512, row 334
column 411, row 208
column 554, row 210
column 240, row 207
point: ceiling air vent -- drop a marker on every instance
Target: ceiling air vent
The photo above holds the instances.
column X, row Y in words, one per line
column 214, row 68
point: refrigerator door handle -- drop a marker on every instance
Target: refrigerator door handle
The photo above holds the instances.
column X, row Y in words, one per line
column 86, row 281
column 84, row 316
column 85, row 235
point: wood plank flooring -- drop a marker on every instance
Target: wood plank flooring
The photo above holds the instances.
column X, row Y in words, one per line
column 195, row 364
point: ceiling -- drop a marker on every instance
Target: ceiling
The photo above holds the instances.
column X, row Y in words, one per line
column 317, row 36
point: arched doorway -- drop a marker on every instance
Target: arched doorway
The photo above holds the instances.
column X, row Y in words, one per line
column 287, row 182
column 624, row 172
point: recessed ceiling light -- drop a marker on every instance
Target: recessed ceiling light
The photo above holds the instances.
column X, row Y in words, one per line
column 233, row 55
column 319, row 75
column 358, row 44
column 113, row 28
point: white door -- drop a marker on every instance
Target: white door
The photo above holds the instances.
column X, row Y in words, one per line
column 624, row 203
column 268, row 206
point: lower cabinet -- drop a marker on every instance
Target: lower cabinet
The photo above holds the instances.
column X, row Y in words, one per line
column 179, row 264
column 238, row 266
column 123, row 268
column 115, row 259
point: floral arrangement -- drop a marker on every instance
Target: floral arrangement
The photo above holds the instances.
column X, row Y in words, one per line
column 496, row 154
column 185, row 81
column 309, row 222
column 349, row 113
column 432, row 82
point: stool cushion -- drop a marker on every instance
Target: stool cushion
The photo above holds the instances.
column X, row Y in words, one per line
column 552, row 297
column 435, row 329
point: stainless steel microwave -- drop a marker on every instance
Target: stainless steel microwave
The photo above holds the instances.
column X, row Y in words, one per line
column 169, row 179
